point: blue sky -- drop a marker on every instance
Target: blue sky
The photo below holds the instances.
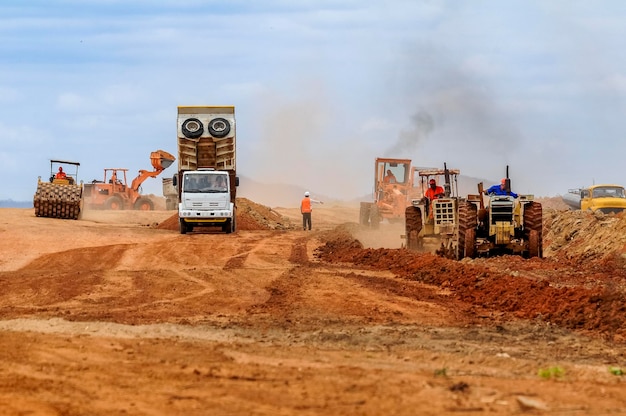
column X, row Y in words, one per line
column 321, row 88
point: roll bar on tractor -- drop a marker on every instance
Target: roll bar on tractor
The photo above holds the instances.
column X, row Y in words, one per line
column 54, row 166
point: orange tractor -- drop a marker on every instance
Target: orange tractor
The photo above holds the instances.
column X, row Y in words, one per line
column 393, row 190
column 114, row 192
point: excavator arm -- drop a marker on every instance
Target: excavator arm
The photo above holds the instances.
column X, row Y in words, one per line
column 160, row 160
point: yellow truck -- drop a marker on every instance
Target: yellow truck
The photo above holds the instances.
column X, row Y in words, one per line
column 604, row 198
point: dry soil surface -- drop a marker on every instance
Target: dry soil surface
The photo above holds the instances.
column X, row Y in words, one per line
column 118, row 313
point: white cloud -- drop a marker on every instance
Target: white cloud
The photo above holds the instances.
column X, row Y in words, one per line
column 317, row 84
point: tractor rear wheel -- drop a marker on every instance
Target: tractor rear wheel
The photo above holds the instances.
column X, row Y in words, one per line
column 470, row 243
column 374, row 217
column 533, row 220
column 533, row 244
column 364, row 213
column 412, row 226
column 468, row 220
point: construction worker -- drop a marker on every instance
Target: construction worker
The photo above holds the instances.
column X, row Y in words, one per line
column 60, row 174
column 500, row 189
column 390, row 177
column 306, row 209
column 433, row 192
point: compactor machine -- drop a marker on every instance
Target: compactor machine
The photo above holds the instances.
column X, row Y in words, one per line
column 61, row 196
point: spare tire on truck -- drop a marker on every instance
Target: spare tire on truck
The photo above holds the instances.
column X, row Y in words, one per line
column 192, row 128
column 219, row 127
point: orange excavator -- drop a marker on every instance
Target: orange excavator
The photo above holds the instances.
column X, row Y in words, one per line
column 114, row 193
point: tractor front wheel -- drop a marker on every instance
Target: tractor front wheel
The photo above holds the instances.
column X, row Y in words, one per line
column 114, row 203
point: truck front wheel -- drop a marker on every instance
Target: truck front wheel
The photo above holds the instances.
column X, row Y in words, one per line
column 183, row 227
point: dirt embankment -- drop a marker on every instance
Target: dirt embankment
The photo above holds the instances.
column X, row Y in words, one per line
column 580, row 284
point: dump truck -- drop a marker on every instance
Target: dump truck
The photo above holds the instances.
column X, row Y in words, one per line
column 393, row 189
column 603, row 198
column 114, row 192
column 434, row 222
column 61, row 196
column 507, row 225
column 207, row 179
column 170, row 193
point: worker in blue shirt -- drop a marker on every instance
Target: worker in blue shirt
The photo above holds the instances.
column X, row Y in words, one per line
column 500, row 190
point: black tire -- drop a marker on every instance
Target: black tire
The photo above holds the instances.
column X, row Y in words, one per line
column 192, row 128
column 364, row 213
column 114, row 203
column 227, row 227
column 219, row 127
column 468, row 219
column 183, row 227
column 470, row 243
column 533, row 220
column 144, row 204
column 412, row 227
column 374, row 217
column 533, row 244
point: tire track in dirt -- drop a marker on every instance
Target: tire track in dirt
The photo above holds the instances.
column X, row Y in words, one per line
column 313, row 291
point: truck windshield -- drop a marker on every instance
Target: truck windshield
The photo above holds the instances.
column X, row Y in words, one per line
column 609, row 192
column 205, row 184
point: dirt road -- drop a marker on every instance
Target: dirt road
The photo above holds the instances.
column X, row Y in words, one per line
column 118, row 313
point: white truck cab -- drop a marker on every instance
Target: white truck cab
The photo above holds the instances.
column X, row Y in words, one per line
column 205, row 200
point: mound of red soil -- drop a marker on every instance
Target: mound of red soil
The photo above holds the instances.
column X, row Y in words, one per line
column 583, row 296
column 250, row 216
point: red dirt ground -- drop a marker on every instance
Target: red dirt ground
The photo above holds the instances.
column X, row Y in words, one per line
column 117, row 313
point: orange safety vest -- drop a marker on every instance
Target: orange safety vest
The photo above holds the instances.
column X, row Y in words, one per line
column 305, row 205
column 431, row 193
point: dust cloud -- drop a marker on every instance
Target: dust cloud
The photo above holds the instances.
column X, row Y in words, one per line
column 453, row 114
column 302, row 144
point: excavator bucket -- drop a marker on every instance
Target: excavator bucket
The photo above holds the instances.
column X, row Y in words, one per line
column 161, row 160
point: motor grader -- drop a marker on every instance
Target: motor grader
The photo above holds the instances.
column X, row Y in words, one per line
column 62, row 195
column 508, row 225
column 433, row 221
column 114, row 192
column 393, row 188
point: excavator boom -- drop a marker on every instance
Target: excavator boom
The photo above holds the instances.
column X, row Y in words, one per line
column 160, row 160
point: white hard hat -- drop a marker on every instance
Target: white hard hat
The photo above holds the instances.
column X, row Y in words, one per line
column 307, row 193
